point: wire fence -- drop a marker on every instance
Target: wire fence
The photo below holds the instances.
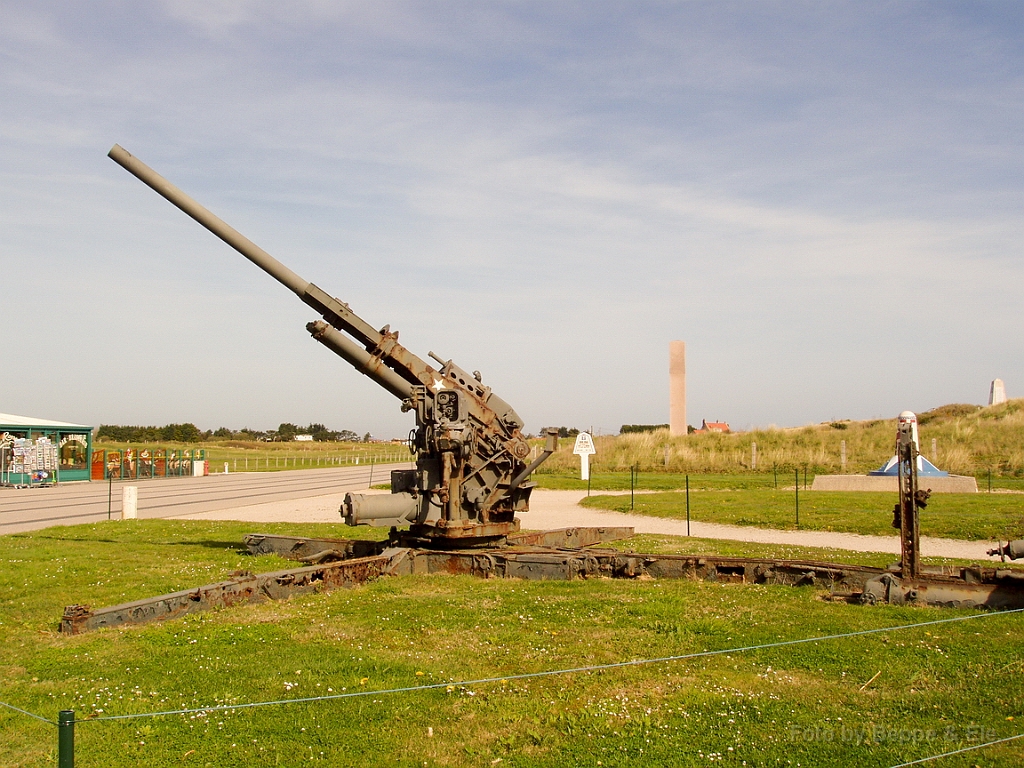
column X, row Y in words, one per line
column 66, row 721
column 971, row 748
column 26, row 712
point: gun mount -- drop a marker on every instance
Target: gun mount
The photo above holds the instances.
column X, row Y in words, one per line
column 905, row 514
column 471, row 456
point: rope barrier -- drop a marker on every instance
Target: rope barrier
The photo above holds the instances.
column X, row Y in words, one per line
column 26, row 712
column 960, row 751
column 67, row 721
column 549, row 673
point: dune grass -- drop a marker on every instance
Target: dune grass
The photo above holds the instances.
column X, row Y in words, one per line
column 969, row 440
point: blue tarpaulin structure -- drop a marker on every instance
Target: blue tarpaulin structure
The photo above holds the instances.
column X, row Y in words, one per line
column 924, row 469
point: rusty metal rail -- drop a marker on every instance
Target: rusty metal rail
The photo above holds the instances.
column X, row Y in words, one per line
column 564, row 554
column 244, row 588
column 308, row 550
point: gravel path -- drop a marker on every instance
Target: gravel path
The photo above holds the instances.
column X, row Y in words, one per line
column 560, row 509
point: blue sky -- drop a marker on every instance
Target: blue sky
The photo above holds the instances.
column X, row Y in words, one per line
column 822, row 199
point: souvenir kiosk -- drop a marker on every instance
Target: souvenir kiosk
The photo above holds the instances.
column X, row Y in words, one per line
column 43, row 452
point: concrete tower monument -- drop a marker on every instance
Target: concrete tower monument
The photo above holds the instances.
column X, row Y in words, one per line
column 997, row 394
column 677, row 387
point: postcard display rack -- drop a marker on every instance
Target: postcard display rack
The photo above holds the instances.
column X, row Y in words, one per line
column 26, row 463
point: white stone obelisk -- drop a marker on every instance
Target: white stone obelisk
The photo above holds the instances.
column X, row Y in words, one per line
column 997, row 394
column 677, row 387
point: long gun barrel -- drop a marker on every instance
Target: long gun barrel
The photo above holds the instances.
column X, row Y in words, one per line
column 470, row 474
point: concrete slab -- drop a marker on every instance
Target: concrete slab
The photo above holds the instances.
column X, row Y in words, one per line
column 951, row 484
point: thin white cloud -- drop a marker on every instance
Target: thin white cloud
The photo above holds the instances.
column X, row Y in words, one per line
column 547, row 193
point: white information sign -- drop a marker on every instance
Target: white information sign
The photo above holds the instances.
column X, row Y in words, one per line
column 584, row 448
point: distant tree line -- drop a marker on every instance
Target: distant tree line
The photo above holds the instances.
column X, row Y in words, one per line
column 626, row 429
column 190, row 433
column 320, row 433
column 177, row 433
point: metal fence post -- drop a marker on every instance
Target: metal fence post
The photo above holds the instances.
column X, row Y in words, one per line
column 687, row 505
column 632, row 480
column 796, row 486
column 66, row 739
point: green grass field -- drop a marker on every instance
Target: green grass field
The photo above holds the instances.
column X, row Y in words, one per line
column 569, row 480
column 873, row 700
column 753, row 499
column 958, row 516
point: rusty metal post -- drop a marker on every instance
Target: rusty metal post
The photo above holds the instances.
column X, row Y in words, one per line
column 66, row 739
column 910, row 547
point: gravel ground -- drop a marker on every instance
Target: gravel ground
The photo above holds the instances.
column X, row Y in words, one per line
column 560, row 509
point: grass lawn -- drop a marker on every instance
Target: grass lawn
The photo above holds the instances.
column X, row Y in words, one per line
column 960, row 516
column 675, row 481
column 656, row 481
column 873, row 700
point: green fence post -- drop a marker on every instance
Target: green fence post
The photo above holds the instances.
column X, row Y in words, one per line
column 66, row 739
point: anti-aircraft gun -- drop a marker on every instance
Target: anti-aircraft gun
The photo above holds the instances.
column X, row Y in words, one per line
column 471, row 456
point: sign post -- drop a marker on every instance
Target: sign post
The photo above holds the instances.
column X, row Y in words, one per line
column 584, row 448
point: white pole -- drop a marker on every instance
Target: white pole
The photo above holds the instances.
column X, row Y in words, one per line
column 129, row 502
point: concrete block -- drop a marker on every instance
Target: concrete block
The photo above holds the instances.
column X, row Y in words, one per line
column 890, row 483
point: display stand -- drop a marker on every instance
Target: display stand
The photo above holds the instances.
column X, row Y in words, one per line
column 29, row 464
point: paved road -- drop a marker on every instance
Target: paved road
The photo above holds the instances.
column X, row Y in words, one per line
column 25, row 509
